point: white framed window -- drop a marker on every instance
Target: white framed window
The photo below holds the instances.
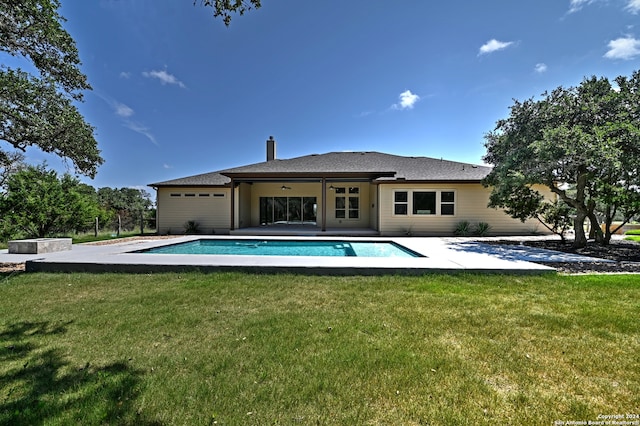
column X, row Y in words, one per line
column 447, row 203
column 401, row 203
column 347, row 202
column 424, row 202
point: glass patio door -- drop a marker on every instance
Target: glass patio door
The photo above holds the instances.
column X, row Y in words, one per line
column 288, row 210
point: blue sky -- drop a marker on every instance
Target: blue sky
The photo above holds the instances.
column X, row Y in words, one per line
column 176, row 93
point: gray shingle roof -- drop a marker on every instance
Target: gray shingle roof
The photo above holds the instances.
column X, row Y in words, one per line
column 205, row 179
column 379, row 166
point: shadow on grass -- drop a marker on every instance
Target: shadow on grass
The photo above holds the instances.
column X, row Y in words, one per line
column 39, row 386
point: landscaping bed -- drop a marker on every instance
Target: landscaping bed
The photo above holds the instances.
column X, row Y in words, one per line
column 625, row 254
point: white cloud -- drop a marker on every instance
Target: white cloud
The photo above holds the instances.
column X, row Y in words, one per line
column 407, row 100
column 623, row 48
column 576, row 5
column 122, row 110
column 125, row 74
column 540, row 68
column 494, row 45
column 143, row 130
column 633, row 6
column 164, row 77
column 167, row 166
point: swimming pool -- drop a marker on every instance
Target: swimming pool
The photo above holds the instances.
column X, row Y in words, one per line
column 287, row 248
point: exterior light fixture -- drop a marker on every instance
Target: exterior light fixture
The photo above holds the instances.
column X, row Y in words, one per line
column 284, row 188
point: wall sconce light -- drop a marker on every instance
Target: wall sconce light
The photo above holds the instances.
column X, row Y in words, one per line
column 331, row 188
column 284, row 188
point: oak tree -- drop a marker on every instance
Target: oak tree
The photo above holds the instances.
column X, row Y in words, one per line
column 224, row 8
column 39, row 108
column 582, row 143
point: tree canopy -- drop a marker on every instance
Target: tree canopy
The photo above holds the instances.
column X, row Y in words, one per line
column 38, row 203
column 38, row 109
column 127, row 204
column 224, row 8
column 582, row 143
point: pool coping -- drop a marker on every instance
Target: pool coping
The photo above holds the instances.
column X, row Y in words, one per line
column 442, row 255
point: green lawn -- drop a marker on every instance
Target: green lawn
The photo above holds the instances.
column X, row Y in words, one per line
column 633, row 235
column 236, row 349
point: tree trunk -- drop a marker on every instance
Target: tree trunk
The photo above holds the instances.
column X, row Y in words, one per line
column 580, row 240
column 597, row 231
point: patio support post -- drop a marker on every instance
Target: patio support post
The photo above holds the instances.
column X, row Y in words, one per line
column 233, row 205
column 324, row 204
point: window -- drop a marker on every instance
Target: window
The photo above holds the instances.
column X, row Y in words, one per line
column 219, row 195
column 175, row 194
column 203, row 195
column 189, row 195
column 347, row 206
column 424, row 202
column 447, row 203
column 401, row 203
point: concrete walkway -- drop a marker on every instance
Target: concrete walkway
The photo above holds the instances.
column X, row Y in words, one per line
column 440, row 255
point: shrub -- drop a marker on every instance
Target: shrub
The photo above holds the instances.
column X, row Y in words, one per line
column 633, row 232
column 482, row 229
column 191, row 227
column 463, row 228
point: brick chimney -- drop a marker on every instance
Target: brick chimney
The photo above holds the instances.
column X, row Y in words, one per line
column 271, row 149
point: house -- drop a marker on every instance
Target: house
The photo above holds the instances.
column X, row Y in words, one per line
column 339, row 192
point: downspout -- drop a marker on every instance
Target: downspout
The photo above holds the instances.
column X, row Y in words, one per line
column 233, row 205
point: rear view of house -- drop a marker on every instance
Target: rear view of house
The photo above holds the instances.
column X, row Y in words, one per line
column 337, row 192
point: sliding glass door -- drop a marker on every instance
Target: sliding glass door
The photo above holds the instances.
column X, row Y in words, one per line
column 288, row 210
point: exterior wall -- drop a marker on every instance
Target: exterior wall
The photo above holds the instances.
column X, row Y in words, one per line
column 471, row 201
column 178, row 205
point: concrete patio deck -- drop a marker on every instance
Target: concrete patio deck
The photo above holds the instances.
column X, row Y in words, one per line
column 441, row 255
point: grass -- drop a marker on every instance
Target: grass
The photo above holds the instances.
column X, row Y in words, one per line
column 632, row 235
column 236, row 349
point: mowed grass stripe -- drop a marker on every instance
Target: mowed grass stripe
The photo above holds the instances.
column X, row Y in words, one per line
column 287, row 349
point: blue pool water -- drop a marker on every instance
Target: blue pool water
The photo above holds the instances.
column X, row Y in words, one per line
column 288, row 248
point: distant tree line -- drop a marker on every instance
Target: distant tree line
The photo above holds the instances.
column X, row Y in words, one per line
column 37, row 202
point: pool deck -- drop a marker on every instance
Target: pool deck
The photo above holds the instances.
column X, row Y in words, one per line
column 441, row 255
